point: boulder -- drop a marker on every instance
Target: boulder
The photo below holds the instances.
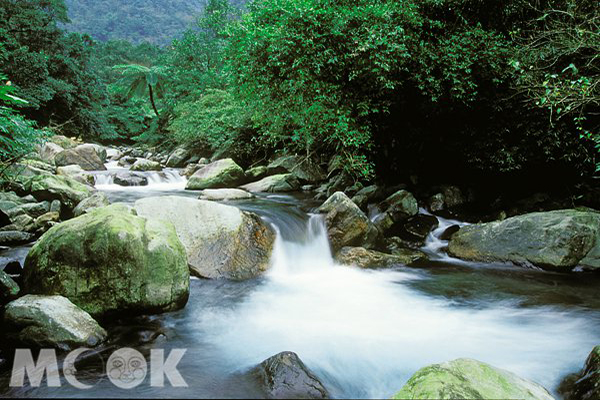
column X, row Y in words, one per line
column 274, row 184
column 96, row 200
column 143, row 164
column 449, row 232
column 34, row 210
column 363, row 258
column 46, row 221
column 77, row 173
column 346, row 224
column 51, row 321
column 304, row 169
column 396, row 208
column 587, row 387
column 221, row 241
column 126, row 161
column 225, row 194
column 9, row 290
column 110, row 261
column 84, row 155
column 416, row 228
column 284, row 376
column 256, row 173
column 63, row 141
column 365, row 195
column 219, row 174
column 190, row 170
column 21, row 222
column 113, row 154
column 49, row 151
column 130, row 179
column 557, row 240
column 100, row 151
column 53, row 187
column 178, row 157
column 469, row 379
column 15, row 238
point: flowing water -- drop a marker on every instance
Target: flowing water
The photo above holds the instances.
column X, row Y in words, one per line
column 364, row 332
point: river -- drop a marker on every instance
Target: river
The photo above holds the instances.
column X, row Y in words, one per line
column 363, row 332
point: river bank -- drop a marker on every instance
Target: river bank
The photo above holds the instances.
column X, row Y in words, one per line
column 363, row 332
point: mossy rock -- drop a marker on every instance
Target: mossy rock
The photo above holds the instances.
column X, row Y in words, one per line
column 219, row 174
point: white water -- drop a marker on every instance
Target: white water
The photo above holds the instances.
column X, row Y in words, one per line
column 168, row 179
column 367, row 332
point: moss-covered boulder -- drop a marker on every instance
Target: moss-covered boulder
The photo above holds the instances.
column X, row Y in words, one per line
column 395, row 209
column 143, row 164
column 219, row 174
column 97, row 200
column 274, row 184
column 469, row 379
column 558, row 240
column 111, row 261
column 50, row 321
column 221, row 241
column 77, row 173
column 53, row 187
column 346, row 224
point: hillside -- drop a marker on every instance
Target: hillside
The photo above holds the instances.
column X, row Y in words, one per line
column 155, row 21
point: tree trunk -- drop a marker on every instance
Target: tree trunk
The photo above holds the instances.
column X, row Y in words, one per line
column 152, row 99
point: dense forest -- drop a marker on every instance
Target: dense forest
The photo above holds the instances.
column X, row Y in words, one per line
column 448, row 89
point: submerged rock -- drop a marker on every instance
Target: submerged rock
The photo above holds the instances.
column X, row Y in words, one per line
column 219, row 174
column 274, row 184
column 51, row 321
column 84, row 155
column 111, row 261
column 559, row 240
column 363, row 258
column 225, row 194
column 221, row 241
column 346, row 224
column 284, row 376
column 469, row 379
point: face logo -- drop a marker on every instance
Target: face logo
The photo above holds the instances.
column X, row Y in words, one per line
column 126, row 368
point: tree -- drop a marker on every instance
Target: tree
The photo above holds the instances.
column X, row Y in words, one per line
column 141, row 80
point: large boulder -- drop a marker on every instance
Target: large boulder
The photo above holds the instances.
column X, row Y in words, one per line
column 99, row 149
column 178, row 157
column 304, row 169
column 285, row 376
column 53, row 187
column 49, row 151
column 587, row 387
column 363, row 258
column 77, row 173
column 221, row 241
column 51, row 321
column 559, row 240
column 143, row 164
column 469, row 379
column 396, row 208
column 346, row 224
column 97, row 200
column 84, row 155
column 219, row 174
column 111, row 261
column 225, row 194
column 274, row 184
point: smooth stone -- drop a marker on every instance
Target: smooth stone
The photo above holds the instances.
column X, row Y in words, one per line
column 224, row 194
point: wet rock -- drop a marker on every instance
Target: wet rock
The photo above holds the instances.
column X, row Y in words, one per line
column 469, row 379
column 190, row 169
column 49, row 151
column 366, row 195
column 449, row 232
column 13, row 268
column 142, row 259
column 396, row 208
column 15, row 238
column 346, row 224
column 143, row 164
column 113, row 154
column 221, row 241
column 274, row 184
column 363, row 258
column 126, row 161
column 84, row 155
column 219, row 174
column 178, row 157
column 303, row 168
column 587, row 386
column 225, row 194
column 284, row 376
column 53, row 187
column 51, row 321
column 559, row 240
column 9, row 290
column 130, row 179
column 77, row 173
column 96, row 200
column 417, row 228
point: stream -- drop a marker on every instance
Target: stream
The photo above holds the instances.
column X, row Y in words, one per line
column 363, row 332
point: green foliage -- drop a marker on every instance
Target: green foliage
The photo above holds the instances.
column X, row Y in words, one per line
column 140, row 80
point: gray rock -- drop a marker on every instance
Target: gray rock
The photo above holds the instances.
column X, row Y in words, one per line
column 363, row 258
column 284, row 376
column 219, row 174
column 96, row 200
column 15, row 238
column 77, row 173
column 49, row 151
column 558, row 240
column 51, row 321
column 274, row 184
column 398, row 207
column 130, row 179
column 178, row 157
column 9, row 290
column 53, row 187
column 225, row 194
column 143, row 164
column 303, row 168
column 84, row 155
column 221, row 241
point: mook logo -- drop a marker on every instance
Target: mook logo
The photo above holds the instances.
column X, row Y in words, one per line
column 126, row 368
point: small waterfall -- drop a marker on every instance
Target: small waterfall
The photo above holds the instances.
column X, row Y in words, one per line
column 434, row 245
